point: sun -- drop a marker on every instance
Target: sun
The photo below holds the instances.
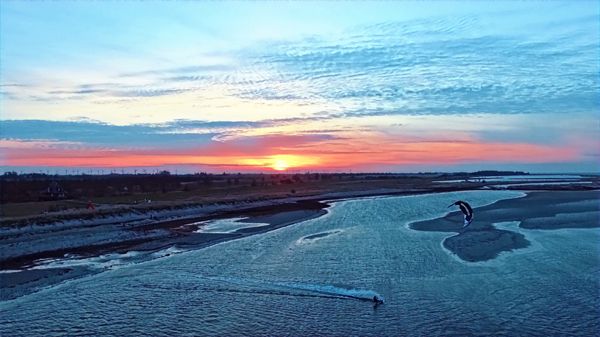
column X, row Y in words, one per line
column 280, row 165
column 280, row 162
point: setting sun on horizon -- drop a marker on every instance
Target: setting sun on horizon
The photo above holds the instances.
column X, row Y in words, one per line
column 280, row 165
column 375, row 87
column 285, row 162
column 280, row 162
column 299, row 168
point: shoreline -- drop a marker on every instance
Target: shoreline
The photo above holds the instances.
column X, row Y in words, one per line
column 175, row 232
column 541, row 210
column 159, row 235
column 179, row 232
column 20, row 280
column 153, row 230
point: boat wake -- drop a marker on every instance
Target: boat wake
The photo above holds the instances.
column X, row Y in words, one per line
column 295, row 288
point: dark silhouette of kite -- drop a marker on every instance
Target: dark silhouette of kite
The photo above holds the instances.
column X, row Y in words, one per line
column 467, row 211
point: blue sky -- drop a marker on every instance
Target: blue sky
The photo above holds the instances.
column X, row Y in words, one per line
column 320, row 77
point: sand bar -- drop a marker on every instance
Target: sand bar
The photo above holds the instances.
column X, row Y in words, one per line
column 481, row 241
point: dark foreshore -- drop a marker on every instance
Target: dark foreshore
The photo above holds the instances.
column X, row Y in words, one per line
column 177, row 221
column 482, row 241
column 181, row 233
column 155, row 235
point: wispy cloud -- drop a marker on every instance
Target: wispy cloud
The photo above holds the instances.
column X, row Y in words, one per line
column 427, row 66
column 418, row 141
column 256, row 154
column 205, row 68
column 101, row 134
column 453, row 88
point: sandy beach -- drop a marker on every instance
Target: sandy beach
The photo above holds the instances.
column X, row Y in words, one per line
column 152, row 237
column 482, row 241
column 27, row 246
column 149, row 228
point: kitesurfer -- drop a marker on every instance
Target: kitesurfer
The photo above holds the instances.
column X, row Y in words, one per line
column 467, row 211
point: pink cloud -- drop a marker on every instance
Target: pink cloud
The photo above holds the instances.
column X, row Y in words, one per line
column 312, row 152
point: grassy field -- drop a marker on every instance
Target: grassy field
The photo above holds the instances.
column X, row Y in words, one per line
column 206, row 194
column 123, row 193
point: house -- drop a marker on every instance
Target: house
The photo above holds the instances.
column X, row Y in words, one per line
column 53, row 192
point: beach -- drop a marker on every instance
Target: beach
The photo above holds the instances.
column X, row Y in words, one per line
column 39, row 245
column 256, row 279
column 154, row 237
column 482, row 241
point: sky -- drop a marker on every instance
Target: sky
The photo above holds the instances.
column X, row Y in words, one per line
column 299, row 86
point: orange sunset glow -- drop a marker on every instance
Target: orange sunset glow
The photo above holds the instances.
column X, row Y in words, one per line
column 351, row 94
column 321, row 155
column 299, row 168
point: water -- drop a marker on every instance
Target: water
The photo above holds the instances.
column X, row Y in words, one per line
column 225, row 225
column 313, row 278
column 546, row 177
column 517, row 178
column 545, row 184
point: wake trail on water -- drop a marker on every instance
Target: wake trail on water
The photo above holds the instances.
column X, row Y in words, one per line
column 239, row 291
column 323, row 290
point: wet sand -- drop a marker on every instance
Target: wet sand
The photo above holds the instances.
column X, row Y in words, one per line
column 16, row 284
column 481, row 241
column 540, row 210
column 25, row 281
